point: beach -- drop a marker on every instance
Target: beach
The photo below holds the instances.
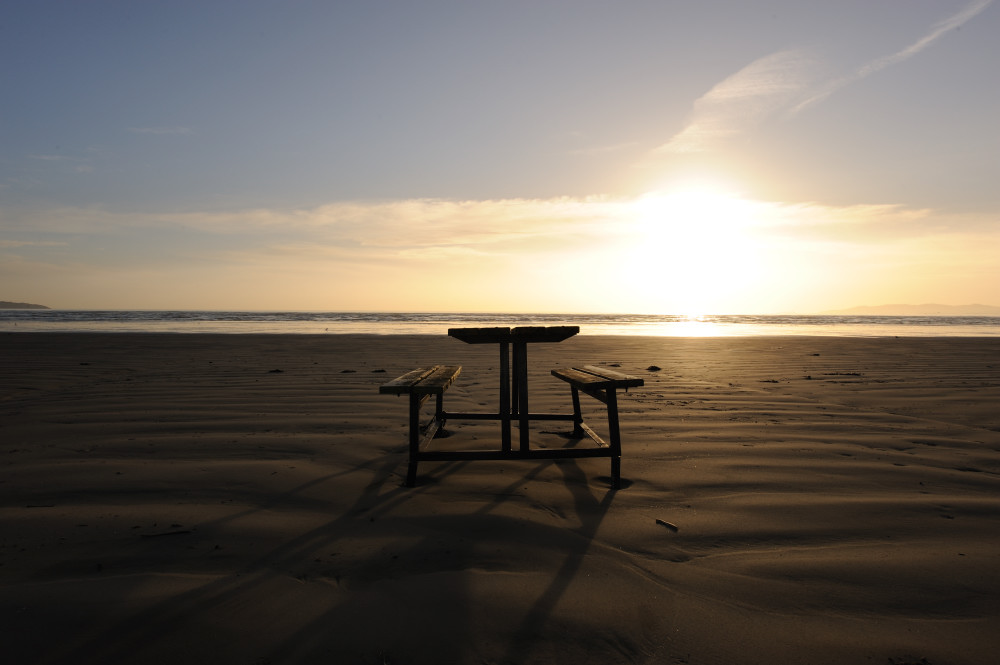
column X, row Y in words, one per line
column 193, row 498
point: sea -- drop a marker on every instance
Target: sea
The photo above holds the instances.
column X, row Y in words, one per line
column 422, row 323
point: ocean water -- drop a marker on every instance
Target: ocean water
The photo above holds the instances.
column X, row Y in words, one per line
column 398, row 323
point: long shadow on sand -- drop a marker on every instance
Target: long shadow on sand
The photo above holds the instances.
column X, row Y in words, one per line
column 358, row 627
column 447, row 637
column 591, row 512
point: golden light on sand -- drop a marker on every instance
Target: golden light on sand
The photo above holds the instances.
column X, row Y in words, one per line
column 694, row 248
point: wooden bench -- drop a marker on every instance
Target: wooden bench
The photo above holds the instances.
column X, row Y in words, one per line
column 602, row 384
column 420, row 384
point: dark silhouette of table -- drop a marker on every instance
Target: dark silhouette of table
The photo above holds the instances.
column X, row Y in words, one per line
column 513, row 384
column 598, row 382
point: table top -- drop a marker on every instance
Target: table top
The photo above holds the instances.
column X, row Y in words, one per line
column 519, row 334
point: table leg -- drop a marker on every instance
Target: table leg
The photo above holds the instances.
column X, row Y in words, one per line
column 577, row 413
column 505, row 411
column 616, row 437
column 521, row 381
column 411, row 468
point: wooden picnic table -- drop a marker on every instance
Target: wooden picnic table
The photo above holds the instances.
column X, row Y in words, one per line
column 598, row 382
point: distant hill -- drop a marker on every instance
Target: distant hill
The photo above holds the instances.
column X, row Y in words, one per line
column 920, row 310
column 20, row 305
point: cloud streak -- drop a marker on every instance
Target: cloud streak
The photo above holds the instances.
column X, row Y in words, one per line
column 424, row 227
column 29, row 243
column 389, row 252
column 783, row 83
column 877, row 65
column 744, row 99
column 404, row 230
column 52, row 158
column 160, row 130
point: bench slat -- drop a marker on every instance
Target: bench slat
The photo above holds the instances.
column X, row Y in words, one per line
column 622, row 380
column 438, row 381
column 577, row 378
column 590, row 377
column 402, row 385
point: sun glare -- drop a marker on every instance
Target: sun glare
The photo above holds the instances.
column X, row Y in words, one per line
column 695, row 249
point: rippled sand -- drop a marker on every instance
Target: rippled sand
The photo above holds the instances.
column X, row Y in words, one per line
column 238, row 499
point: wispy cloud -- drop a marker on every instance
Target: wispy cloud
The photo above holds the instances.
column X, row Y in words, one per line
column 52, row 158
column 30, row 243
column 879, row 64
column 744, row 99
column 379, row 248
column 161, row 130
column 77, row 164
column 367, row 229
column 419, row 228
column 784, row 82
column 504, row 226
column 604, row 149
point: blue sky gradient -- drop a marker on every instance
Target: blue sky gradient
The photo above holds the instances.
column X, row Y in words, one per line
column 488, row 155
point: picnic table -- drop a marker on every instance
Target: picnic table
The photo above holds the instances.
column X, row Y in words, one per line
column 598, row 382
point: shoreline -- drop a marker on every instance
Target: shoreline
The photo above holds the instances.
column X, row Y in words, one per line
column 319, row 323
column 444, row 335
column 172, row 497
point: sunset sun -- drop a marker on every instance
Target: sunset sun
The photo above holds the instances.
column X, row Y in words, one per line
column 695, row 246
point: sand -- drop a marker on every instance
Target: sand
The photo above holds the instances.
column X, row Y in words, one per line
column 238, row 499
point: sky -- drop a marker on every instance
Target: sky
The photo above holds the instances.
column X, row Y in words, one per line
column 636, row 156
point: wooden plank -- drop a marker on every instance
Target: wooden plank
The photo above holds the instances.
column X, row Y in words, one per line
column 526, row 334
column 429, row 433
column 590, row 377
column 543, row 333
column 600, row 395
column 579, row 378
column 438, row 380
column 593, row 435
column 551, row 416
column 450, row 415
column 499, row 455
column 402, row 385
column 623, row 380
column 480, row 335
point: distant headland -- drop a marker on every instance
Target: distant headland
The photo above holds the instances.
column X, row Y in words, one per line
column 20, row 305
column 919, row 310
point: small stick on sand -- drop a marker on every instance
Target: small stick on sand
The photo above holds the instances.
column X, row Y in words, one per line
column 672, row 527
